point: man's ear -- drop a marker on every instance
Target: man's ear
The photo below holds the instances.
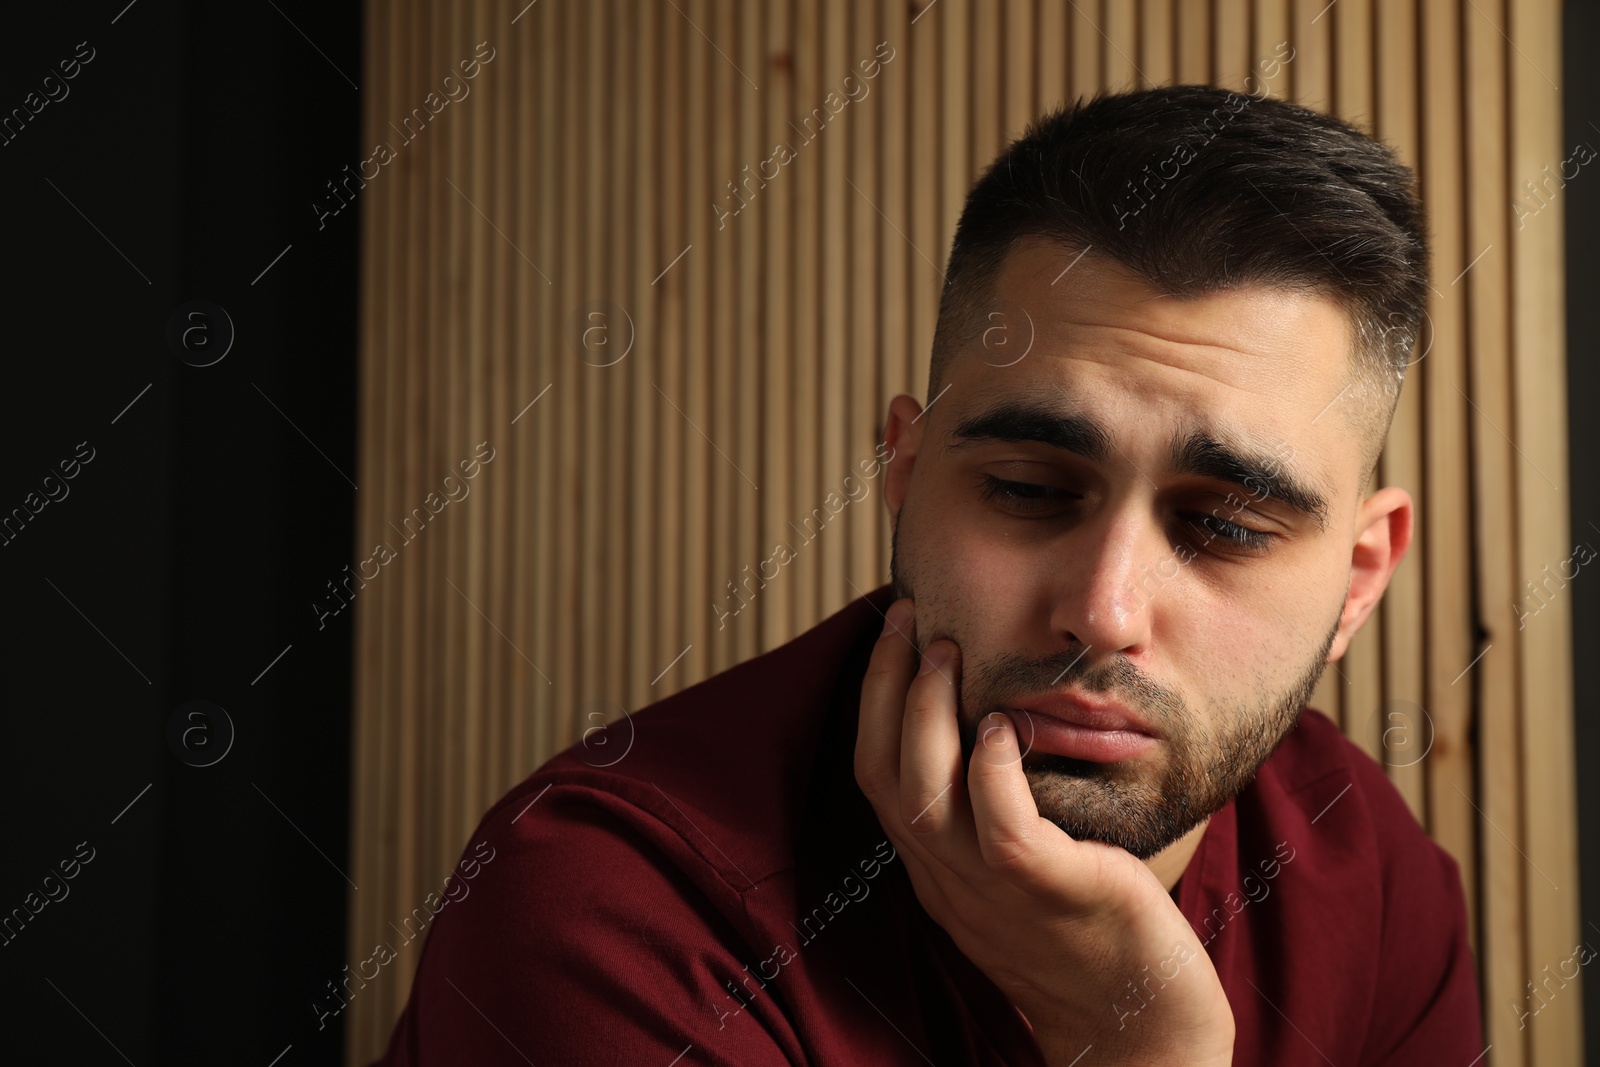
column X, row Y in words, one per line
column 902, row 433
column 1384, row 525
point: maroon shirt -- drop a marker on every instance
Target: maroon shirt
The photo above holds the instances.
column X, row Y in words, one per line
column 709, row 886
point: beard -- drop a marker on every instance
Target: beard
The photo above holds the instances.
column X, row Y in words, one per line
column 1139, row 807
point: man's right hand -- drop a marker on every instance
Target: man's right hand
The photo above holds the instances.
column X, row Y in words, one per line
column 1080, row 935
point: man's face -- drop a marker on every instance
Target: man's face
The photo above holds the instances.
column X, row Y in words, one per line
column 1153, row 508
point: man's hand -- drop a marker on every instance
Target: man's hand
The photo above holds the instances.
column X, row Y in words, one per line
column 1081, row 936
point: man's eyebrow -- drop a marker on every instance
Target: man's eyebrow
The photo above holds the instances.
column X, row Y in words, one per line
column 1256, row 472
column 1019, row 421
column 1198, row 452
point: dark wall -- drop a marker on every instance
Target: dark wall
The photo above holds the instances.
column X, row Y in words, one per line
column 208, row 507
column 1580, row 84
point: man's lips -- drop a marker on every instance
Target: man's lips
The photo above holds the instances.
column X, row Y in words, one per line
column 1066, row 724
column 1084, row 711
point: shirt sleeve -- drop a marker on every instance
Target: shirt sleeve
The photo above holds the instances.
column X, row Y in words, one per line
column 590, row 938
column 1426, row 1008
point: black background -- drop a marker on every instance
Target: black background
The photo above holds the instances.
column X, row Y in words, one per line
column 187, row 553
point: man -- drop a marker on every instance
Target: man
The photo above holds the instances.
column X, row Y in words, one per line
column 1053, row 795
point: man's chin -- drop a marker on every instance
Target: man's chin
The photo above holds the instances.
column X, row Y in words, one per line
column 1088, row 802
column 1141, row 847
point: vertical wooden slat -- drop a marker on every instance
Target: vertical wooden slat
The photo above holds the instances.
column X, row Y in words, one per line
column 1053, row 88
column 585, row 495
column 776, row 607
column 527, row 356
column 1194, row 43
column 1311, row 32
column 1020, row 41
column 666, row 347
column 593, row 383
column 486, row 505
column 808, row 268
column 567, row 390
column 1086, row 41
column 867, row 302
column 955, row 154
column 1439, row 372
column 543, row 38
column 695, row 394
column 1120, row 26
column 1230, row 44
column 1156, row 36
column 648, row 413
column 1538, row 376
column 833, row 431
column 468, row 140
column 370, row 729
column 748, row 253
column 413, row 836
column 984, row 122
column 1272, row 24
column 425, row 269
column 621, row 378
column 438, row 542
column 504, row 667
column 722, row 356
column 1352, row 68
column 1485, row 289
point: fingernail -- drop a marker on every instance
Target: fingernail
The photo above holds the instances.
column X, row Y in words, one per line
column 934, row 657
column 895, row 617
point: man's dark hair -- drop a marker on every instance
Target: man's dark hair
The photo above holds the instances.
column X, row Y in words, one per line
column 1197, row 190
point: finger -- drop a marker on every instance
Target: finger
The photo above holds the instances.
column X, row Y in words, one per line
column 1010, row 833
column 932, row 797
column 883, row 692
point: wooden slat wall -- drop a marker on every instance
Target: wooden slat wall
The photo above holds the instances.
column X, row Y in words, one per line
column 590, row 566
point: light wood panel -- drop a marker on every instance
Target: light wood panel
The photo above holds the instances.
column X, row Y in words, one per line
column 1538, row 425
column 1446, row 503
column 619, row 156
column 1507, row 963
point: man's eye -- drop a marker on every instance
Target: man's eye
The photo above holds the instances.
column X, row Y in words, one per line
column 1220, row 534
column 1212, row 528
column 1024, row 496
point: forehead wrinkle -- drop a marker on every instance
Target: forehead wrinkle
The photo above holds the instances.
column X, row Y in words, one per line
column 1113, row 289
column 1215, row 362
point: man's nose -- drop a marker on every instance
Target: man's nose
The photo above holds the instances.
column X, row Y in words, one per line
column 1115, row 566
